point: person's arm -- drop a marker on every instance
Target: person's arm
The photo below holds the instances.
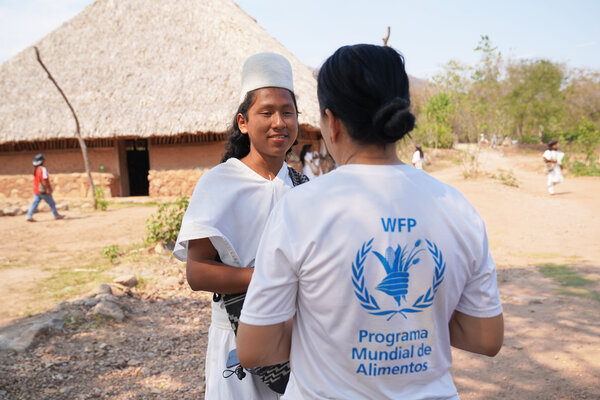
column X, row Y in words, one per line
column 204, row 272
column 260, row 346
column 46, row 183
column 477, row 335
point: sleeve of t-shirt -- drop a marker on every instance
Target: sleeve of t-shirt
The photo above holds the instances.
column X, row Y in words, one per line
column 480, row 297
column 44, row 173
column 271, row 296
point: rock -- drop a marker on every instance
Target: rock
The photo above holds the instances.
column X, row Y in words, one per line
column 19, row 337
column 119, row 290
column 91, row 301
column 11, row 211
column 105, row 297
column 101, row 289
column 127, row 280
column 173, row 281
column 109, row 309
column 529, row 300
column 161, row 249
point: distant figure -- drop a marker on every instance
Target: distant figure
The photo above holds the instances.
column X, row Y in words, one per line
column 418, row 158
column 310, row 162
column 494, row 141
column 553, row 159
column 41, row 188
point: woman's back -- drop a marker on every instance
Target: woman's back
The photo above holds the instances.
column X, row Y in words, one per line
column 383, row 263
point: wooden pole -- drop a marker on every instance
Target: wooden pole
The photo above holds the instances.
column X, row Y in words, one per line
column 386, row 38
column 82, row 144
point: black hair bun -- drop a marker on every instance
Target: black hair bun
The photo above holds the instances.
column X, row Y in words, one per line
column 393, row 120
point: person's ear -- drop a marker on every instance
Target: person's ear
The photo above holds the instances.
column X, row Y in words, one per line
column 242, row 124
column 334, row 125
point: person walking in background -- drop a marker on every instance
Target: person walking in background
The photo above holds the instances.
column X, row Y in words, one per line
column 42, row 190
column 309, row 159
column 393, row 267
column 553, row 163
column 418, row 157
column 229, row 208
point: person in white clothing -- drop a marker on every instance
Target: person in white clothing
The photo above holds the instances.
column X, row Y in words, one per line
column 366, row 297
column 418, row 158
column 229, row 208
column 553, row 162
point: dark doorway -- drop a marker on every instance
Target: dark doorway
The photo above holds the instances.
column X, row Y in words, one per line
column 138, row 165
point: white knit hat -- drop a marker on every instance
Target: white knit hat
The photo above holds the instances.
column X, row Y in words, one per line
column 266, row 70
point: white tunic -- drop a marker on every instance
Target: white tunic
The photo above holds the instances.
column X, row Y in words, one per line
column 230, row 206
column 417, row 160
column 372, row 277
column 555, row 173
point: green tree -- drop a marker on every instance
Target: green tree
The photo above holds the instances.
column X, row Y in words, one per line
column 437, row 131
column 534, row 97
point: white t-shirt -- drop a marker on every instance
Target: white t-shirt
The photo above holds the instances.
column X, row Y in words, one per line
column 230, row 206
column 373, row 277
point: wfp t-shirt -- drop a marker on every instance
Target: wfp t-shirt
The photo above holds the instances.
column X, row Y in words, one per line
column 372, row 260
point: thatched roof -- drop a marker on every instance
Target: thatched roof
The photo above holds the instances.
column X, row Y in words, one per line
column 140, row 68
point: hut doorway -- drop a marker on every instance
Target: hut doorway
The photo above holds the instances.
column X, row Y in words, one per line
column 138, row 165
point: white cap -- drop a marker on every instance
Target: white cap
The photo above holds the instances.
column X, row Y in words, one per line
column 266, row 70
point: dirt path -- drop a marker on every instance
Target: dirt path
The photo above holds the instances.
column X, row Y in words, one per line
column 30, row 252
column 552, row 341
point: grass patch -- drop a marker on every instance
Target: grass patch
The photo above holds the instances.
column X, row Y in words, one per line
column 580, row 292
column 507, row 178
column 127, row 204
column 66, row 282
column 572, row 283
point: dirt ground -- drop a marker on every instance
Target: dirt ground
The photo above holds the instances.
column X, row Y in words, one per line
column 552, row 341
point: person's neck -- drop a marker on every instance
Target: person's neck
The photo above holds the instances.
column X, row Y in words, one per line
column 374, row 154
column 267, row 167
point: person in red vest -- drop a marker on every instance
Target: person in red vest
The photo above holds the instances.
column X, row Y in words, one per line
column 41, row 188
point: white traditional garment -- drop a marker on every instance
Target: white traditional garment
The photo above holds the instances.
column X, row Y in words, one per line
column 554, row 172
column 230, row 206
column 372, row 278
column 311, row 165
column 417, row 160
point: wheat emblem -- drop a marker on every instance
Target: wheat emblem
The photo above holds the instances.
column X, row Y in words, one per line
column 397, row 264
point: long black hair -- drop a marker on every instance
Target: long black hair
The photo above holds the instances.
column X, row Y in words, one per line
column 366, row 86
column 238, row 144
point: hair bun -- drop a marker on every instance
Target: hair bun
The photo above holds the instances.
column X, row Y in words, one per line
column 393, row 120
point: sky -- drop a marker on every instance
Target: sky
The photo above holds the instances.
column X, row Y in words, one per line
column 429, row 33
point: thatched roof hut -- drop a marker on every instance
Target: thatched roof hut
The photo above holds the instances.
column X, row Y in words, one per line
column 165, row 71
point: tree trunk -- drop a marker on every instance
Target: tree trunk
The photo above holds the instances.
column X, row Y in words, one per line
column 82, row 144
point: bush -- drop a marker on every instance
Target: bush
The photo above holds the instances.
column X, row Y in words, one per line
column 579, row 168
column 507, row 178
column 112, row 252
column 101, row 202
column 163, row 225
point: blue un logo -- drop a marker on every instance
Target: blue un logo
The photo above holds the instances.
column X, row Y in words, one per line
column 398, row 264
